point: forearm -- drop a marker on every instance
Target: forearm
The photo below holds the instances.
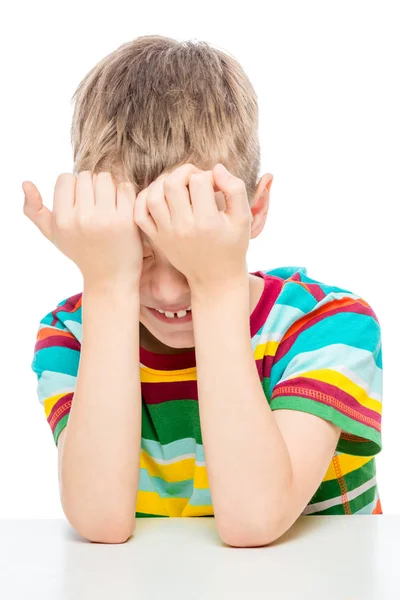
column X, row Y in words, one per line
column 247, row 460
column 100, row 463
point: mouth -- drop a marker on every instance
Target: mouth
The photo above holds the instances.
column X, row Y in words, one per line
column 171, row 320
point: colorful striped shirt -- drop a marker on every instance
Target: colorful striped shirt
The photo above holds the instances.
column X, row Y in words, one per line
column 317, row 348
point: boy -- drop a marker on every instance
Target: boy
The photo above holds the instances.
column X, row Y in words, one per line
column 251, row 397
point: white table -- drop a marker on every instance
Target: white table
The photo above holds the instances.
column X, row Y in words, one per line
column 324, row 557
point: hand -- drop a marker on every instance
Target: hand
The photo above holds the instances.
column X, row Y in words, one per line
column 202, row 242
column 92, row 224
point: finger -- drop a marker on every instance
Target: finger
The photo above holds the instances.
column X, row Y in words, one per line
column 64, row 197
column 201, row 186
column 157, row 205
column 125, row 198
column 84, row 193
column 36, row 211
column 142, row 216
column 177, row 194
column 234, row 190
column 105, row 191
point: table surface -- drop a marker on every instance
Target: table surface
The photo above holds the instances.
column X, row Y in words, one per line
column 326, row 557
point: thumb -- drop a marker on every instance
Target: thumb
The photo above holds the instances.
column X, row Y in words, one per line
column 36, row 211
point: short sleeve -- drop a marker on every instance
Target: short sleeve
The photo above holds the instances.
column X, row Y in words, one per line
column 329, row 363
column 55, row 362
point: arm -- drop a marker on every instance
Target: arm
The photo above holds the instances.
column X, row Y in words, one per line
column 244, row 441
column 101, row 452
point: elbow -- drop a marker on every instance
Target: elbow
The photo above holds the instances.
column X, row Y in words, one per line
column 109, row 536
column 247, row 539
column 105, row 535
column 104, row 530
column 253, row 534
column 98, row 526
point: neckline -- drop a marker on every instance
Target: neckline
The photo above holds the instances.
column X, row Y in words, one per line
column 187, row 360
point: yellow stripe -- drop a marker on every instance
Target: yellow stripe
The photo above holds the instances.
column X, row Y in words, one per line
column 176, row 471
column 347, row 463
column 148, row 375
column 49, row 402
column 150, row 502
column 344, row 383
column 267, row 349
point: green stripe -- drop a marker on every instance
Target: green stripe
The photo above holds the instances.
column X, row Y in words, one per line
column 141, row 515
column 171, row 420
column 331, row 489
column 60, row 426
column 327, row 490
column 329, row 413
column 365, row 473
column 355, row 505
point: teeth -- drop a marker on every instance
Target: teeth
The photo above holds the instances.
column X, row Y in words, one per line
column 171, row 315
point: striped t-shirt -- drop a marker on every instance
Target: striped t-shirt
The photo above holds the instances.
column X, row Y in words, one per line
column 317, row 348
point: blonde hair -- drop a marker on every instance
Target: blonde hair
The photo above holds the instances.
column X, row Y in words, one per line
column 155, row 103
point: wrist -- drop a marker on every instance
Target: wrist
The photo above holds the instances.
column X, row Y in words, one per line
column 128, row 287
column 222, row 288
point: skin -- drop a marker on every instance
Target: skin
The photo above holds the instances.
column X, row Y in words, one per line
column 161, row 284
column 274, row 454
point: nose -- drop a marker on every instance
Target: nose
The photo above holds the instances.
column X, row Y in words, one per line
column 170, row 287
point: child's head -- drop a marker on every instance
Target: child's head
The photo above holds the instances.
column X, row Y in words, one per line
column 156, row 103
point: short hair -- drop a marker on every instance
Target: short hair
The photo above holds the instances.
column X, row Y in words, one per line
column 155, row 103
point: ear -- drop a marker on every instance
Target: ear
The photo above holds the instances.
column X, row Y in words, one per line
column 260, row 205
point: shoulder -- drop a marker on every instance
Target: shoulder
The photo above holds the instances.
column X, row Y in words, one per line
column 303, row 297
column 325, row 356
column 59, row 331
column 67, row 314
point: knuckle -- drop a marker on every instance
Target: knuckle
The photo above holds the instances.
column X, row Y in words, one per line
column 137, row 217
column 185, row 231
column 171, row 180
column 84, row 174
column 151, row 200
column 62, row 180
column 207, row 227
column 86, row 221
column 64, row 224
column 196, row 176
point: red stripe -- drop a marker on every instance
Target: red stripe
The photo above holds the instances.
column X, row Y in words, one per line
column 72, row 304
column 61, row 407
column 329, row 395
column 57, row 341
column 290, row 338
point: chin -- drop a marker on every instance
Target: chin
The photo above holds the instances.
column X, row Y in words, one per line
column 176, row 339
column 173, row 339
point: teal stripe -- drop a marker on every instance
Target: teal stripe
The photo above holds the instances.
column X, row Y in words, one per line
column 350, row 331
column 58, row 359
column 51, row 383
column 165, row 489
column 341, row 358
column 173, row 450
column 173, row 489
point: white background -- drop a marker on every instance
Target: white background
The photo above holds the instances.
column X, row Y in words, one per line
column 327, row 79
